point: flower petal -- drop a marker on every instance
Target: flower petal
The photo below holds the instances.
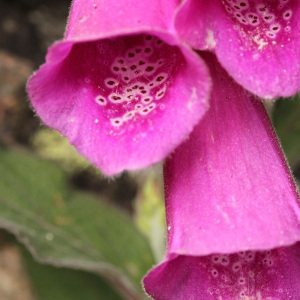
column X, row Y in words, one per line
column 228, row 187
column 231, row 205
column 124, row 90
column 257, row 42
column 267, row 275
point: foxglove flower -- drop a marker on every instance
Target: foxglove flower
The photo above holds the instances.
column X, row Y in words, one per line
column 121, row 85
column 232, row 208
column 256, row 41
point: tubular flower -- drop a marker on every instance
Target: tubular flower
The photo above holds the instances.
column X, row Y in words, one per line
column 256, row 41
column 232, row 208
column 121, row 86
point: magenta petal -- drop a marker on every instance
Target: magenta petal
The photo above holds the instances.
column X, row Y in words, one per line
column 232, row 207
column 260, row 275
column 228, row 187
column 257, row 42
column 124, row 90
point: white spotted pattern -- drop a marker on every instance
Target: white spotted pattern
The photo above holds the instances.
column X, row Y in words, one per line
column 240, row 273
column 138, row 79
column 264, row 22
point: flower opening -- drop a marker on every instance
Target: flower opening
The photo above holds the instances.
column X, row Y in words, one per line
column 125, row 92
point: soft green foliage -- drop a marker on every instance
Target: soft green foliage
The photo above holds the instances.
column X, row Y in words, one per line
column 286, row 118
column 66, row 228
column 51, row 283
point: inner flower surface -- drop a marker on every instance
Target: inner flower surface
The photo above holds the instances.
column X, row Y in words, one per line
column 129, row 79
column 263, row 22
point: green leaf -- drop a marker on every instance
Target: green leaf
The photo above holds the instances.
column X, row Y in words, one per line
column 50, row 283
column 286, row 119
column 65, row 228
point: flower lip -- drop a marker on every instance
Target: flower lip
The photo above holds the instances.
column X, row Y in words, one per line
column 261, row 23
column 123, row 90
column 272, row 274
column 257, row 42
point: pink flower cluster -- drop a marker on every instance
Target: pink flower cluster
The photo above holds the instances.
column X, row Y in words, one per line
column 134, row 81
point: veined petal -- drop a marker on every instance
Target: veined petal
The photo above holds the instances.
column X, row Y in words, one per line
column 257, row 42
column 232, row 207
column 121, row 87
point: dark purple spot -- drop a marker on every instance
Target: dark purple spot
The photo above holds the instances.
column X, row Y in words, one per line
column 124, row 69
column 141, row 62
column 148, row 37
column 138, row 50
column 147, row 50
column 130, row 54
column 133, row 67
column 110, row 82
column 121, row 61
column 262, row 9
column 116, row 98
column 160, row 78
column 143, row 92
column 149, row 69
column 116, row 69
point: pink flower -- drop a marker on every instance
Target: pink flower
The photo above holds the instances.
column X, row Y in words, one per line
column 126, row 89
column 121, row 85
column 232, row 208
column 256, row 41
